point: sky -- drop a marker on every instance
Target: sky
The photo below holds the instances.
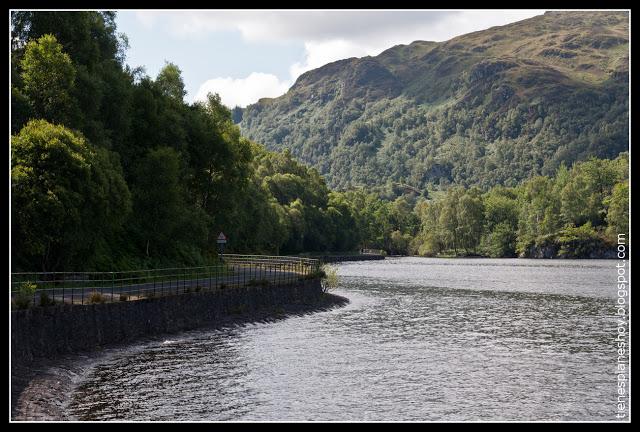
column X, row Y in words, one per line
column 247, row 55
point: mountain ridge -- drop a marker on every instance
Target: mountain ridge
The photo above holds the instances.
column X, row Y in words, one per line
column 489, row 107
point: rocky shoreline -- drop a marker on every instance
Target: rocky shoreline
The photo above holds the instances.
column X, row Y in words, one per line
column 41, row 390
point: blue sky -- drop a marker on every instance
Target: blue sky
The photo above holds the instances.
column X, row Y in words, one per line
column 246, row 55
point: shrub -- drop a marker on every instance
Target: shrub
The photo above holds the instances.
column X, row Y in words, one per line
column 124, row 297
column 96, row 297
column 329, row 279
column 579, row 242
column 25, row 293
column 45, row 300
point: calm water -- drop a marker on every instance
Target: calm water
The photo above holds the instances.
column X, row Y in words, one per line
column 422, row 339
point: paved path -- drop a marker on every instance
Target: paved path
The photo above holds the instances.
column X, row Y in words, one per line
column 241, row 276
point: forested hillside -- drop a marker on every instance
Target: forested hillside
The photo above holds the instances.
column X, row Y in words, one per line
column 111, row 169
column 488, row 108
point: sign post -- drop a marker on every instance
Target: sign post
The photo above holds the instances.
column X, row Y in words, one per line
column 222, row 240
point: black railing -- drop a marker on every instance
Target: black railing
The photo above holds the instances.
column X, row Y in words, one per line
column 46, row 288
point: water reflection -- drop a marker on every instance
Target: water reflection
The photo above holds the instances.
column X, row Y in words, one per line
column 403, row 349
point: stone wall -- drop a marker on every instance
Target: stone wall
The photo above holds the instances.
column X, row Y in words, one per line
column 50, row 331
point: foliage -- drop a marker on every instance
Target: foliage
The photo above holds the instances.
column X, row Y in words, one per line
column 24, row 296
column 170, row 82
column 113, row 169
column 618, row 211
column 486, row 108
column 45, row 300
column 533, row 219
column 48, row 77
column 577, row 242
column 67, row 196
column 330, row 281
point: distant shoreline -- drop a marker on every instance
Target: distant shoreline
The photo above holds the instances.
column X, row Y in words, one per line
column 476, row 257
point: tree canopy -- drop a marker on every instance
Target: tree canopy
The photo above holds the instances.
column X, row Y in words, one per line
column 113, row 169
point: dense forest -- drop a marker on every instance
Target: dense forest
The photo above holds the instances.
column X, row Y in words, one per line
column 483, row 109
column 111, row 169
column 577, row 213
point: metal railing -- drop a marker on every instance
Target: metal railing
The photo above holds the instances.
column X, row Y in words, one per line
column 373, row 252
column 45, row 288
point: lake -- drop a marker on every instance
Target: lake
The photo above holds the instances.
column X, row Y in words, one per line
column 421, row 340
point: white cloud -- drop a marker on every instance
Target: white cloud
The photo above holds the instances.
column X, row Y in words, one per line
column 327, row 36
column 318, row 25
column 320, row 53
column 243, row 91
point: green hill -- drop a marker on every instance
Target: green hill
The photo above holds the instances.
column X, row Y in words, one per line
column 490, row 107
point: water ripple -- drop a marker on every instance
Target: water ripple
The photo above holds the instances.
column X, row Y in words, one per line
column 421, row 340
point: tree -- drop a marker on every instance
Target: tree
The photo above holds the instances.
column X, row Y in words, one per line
column 501, row 222
column 583, row 195
column 48, row 76
column 448, row 219
column 500, row 241
column 539, row 212
column 66, row 197
column 431, row 238
column 470, row 214
column 170, row 82
column 236, row 114
column 158, row 200
column 618, row 214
